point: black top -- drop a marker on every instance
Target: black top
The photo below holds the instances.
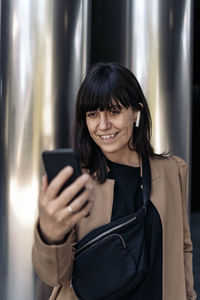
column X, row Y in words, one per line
column 127, row 199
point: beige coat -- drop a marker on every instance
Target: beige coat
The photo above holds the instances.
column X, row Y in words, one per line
column 168, row 194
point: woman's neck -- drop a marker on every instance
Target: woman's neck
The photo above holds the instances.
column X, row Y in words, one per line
column 130, row 158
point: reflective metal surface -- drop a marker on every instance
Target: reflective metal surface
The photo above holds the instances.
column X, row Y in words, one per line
column 158, row 50
column 44, row 54
column 154, row 39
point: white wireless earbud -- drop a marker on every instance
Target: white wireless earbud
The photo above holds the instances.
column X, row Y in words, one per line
column 137, row 123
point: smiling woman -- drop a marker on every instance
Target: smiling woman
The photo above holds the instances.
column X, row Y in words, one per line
column 135, row 243
column 109, row 104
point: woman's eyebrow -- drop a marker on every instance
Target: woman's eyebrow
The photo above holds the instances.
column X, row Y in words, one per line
column 115, row 106
column 89, row 110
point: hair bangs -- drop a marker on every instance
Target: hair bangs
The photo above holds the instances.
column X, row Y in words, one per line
column 103, row 95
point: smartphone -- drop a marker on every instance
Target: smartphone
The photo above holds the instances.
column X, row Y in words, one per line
column 56, row 160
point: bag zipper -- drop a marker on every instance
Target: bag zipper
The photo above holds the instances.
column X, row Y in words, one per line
column 105, row 233
column 99, row 241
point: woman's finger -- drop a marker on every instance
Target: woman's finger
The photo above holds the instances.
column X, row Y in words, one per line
column 79, row 205
column 44, row 183
column 79, row 202
column 72, row 190
column 57, row 183
column 56, row 207
column 81, row 214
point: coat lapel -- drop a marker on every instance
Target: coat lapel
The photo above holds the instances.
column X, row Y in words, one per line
column 101, row 211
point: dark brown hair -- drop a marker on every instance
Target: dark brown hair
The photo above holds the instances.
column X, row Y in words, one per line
column 104, row 83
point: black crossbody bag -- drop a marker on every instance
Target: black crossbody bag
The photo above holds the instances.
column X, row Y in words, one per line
column 111, row 260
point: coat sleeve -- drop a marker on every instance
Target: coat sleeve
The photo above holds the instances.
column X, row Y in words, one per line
column 189, row 280
column 53, row 263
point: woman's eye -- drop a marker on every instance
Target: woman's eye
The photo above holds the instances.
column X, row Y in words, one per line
column 114, row 111
column 91, row 114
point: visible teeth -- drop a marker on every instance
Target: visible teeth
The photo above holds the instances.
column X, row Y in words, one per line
column 108, row 136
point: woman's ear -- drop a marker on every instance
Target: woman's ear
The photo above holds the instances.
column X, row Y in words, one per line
column 140, row 103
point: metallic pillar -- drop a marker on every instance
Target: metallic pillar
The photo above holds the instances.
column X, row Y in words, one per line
column 44, row 54
column 154, row 39
column 160, row 54
column 159, row 51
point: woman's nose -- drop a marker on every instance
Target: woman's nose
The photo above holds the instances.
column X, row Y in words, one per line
column 104, row 122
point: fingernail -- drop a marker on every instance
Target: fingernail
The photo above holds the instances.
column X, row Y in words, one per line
column 85, row 176
column 68, row 168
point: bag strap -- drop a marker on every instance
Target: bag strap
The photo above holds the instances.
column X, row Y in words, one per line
column 146, row 180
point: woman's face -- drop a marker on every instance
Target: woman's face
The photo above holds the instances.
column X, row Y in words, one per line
column 111, row 129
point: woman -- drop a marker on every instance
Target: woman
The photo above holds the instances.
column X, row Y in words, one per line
column 112, row 138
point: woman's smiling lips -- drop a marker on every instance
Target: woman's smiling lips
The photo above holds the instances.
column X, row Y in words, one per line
column 107, row 137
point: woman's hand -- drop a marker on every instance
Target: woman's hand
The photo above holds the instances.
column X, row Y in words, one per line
column 56, row 216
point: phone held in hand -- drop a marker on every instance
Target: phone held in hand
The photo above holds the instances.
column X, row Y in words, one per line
column 56, row 160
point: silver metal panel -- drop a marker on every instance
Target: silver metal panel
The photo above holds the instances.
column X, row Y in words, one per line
column 154, row 39
column 158, row 50
column 44, row 56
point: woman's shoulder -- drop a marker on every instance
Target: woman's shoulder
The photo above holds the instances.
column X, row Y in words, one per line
column 179, row 161
column 168, row 163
